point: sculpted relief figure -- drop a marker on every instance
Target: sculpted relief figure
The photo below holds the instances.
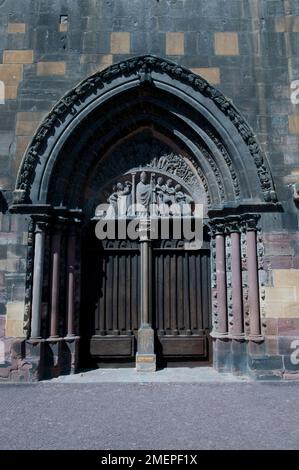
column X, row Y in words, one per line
column 144, row 191
column 151, row 194
column 159, row 191
column 124, row 197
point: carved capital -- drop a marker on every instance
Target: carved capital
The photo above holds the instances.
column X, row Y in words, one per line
column 41, row 223
column 249, row 222
column 217, row 227
column 233, row 224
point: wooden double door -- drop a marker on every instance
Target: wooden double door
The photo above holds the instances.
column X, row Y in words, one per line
column 180, row 302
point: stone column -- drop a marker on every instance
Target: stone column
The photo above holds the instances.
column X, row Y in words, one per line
column 253, row 281
column 145, row 357
column 222, row 329
column 221, row 342
column 38, row 268
column 55, row 278
column 237, row 299
column 71, row 259
column 71, row 339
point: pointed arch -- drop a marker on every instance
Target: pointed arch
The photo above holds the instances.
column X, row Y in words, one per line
column 163, row 97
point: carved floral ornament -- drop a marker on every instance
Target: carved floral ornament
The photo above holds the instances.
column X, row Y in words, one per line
column 142, row 67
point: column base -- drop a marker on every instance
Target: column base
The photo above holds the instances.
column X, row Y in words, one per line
column 35, row 351
column 145, row 362
column 70, row 358
column 256, row 338
column 145, row 357
column 52, row 357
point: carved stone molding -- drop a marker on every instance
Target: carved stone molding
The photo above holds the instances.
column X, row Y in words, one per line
column 142, row 68
column 227, row 159
column 217, row 227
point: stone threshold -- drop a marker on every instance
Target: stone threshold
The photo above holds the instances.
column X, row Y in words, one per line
column 167, row 375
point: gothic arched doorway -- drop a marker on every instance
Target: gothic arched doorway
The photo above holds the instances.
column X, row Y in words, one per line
column 143, row 115
column 143, row 170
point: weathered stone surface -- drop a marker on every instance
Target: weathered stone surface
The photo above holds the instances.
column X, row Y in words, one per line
column 18, row 57
column 120, row 43
column 51, row 68
column 14, row 319
column 226, row 43
column 211, row 74
column 175, row 44
column 15, row 28
column 11, row 72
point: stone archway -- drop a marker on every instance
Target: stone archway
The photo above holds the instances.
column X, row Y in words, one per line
column 70, row 159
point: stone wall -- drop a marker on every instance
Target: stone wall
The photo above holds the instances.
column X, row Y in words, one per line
column 248, row 48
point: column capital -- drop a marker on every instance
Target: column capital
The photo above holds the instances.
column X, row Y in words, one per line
column 249, row 222
column 41, row 222
column 217, row 227
column 234, row 225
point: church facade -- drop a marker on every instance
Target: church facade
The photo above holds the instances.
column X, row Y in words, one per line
column 127, row 127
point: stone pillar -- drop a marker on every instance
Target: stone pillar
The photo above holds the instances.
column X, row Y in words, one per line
column 237, row 298
column 71, row 351
column 145, row 357
column 253, row 281
column 71, row 259
column 38, row 267
column 222, row 329
column 55, row 278
column 221, row 342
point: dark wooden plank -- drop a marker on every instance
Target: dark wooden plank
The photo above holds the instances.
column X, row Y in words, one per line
column 109, row 293
column 199, row 297
column 115, row 292
column 102, row 302
column 183, row 345
column 128, row 312
column 161, row 275
column 111, row 346
column 134, row 291
column 192, row 291
column 180, row 293
column 186, row 293
column 205, row 273
column 166, row 285
column 122, row 293
column 173, row 291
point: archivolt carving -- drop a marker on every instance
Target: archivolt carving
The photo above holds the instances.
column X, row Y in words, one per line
column 142, row 67
column 227, row 160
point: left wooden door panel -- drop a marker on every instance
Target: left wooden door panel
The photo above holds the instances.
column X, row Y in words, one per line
column 116, row 314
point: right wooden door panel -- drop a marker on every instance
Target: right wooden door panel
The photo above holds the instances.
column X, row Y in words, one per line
column 181, row 302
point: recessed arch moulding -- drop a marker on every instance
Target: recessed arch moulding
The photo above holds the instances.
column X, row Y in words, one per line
column 171, row 106
column 144, row 113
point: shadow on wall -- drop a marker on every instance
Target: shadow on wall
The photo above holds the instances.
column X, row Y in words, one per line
column 3, row 202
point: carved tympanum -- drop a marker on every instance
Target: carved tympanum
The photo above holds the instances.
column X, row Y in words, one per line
column 146, row 192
